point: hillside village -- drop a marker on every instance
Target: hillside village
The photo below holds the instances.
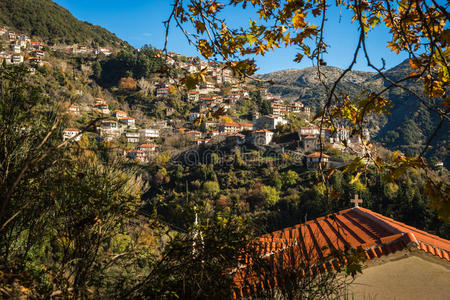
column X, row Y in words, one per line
column 144, row 174
column 220, row 94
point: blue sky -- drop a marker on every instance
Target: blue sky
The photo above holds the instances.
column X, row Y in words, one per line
column 141, row 22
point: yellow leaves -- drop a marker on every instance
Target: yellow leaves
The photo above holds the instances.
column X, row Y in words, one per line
column 173, row 90
column 205, row 48
column 374, row 21
column 215, row 7
column 200, row 26
column 251, row 39
column 355, row 178
column 192, row 80
column 413, row 63
column 439, row 195
column 298, row 21
column 298, row 57
column 446, row 36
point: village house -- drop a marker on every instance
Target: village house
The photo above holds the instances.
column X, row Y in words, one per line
column 162, row 92
column 308, row 131
column 75, row 109
column 149, row 133
column 6, row 57
column 310, row 143
column 72, row 133
column 148, row 148
column 261, row 137
column 312, row 160
column 246, row 126
column 209, row 125
column 21, row 43
column 109, row 129
column 234, row 138
column 401, row 262
column 212, row 133
column 136, row 155
column 161, row 123
column 132, row 137
column 104, row 51
column 119, row 114
column 193, row 96
column 102, row 108
column 17, row 59
column 193, row 133
column 269, row 122
column 36, row 61
column 198, row 142
column 37, row 45
column 229, row 127
column 16, row 49
column 38, row 53
column 129, row 121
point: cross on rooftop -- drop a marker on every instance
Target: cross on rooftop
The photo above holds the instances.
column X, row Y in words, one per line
column 357, row 201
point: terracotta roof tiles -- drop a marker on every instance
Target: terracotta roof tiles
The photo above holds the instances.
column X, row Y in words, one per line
column 358, row 227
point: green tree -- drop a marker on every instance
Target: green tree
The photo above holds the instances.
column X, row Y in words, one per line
column 289, row 178
column 211, row 187
column 270, row 194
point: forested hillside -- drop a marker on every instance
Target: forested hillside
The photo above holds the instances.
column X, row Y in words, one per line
column 53, row 23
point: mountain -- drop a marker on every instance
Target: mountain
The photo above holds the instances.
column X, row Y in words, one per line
column 53, row 24
column 406, row 128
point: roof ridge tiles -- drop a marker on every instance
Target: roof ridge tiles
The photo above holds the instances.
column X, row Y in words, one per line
column 410, row 228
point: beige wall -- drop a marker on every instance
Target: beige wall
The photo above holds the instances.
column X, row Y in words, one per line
column 410, row 277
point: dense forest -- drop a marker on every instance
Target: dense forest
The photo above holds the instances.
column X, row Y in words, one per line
column 50, row 22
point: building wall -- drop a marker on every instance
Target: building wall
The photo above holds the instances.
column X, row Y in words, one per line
column 413, row 277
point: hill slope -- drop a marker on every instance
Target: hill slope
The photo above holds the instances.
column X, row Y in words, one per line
column 406, row 128
column 53, row 23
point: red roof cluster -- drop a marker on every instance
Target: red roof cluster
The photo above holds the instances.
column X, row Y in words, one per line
column 357, row 227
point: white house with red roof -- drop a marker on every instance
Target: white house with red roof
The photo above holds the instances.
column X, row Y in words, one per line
column 261, row 137
column 129, row 121
column 313, row 160
column 72, row 133
column 102, row 108
column 148, row 148
column 161, row 92
column 74, row 109
column 119, row 114
column 229, row 127
column 136, row 154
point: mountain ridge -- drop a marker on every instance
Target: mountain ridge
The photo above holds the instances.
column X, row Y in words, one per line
column 407, row 126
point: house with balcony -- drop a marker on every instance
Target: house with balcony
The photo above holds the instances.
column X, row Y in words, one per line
column 149, row 133
column 132, row 137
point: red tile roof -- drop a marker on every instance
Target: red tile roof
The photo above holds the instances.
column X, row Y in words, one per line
column 148, row 146
column 72, row 129
column 317, row 155
column 357, row 227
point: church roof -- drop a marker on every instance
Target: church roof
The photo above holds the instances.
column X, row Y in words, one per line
column 357, row 227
